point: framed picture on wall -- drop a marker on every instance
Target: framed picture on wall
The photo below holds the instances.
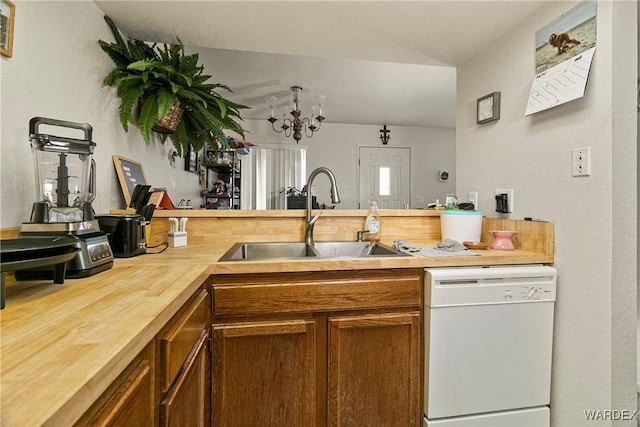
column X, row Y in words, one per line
column 488, row 108
column 7, row 22
column 192, row 161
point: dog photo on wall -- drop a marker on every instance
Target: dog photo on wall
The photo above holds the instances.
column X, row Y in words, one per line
column 564, row 50
column 567, row 36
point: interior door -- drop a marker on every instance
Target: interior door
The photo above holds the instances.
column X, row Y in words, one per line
column 384, row 175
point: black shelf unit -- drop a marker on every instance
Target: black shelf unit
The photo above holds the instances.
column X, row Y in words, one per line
column 222, row 180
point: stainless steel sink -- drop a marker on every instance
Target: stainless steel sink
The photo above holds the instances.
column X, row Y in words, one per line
column 297, row 250
column 354, row 249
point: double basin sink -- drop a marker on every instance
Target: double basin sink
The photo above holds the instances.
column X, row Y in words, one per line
column 300, row 250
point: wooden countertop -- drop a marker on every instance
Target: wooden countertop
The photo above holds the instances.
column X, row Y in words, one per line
column 62, row 345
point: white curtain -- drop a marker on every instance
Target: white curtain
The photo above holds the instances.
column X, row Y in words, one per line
column 268, row 171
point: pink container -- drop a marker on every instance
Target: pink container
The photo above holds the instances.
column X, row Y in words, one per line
column 502, row 240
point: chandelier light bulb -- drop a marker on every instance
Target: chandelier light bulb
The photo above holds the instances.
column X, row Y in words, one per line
column 272, row 106
column 295, row 103
column 321, row 106
column 313, row 118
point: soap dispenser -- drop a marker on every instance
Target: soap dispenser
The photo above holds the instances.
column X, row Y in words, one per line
column 372, row 223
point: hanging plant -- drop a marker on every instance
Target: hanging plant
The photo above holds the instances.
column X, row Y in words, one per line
column 163, row 90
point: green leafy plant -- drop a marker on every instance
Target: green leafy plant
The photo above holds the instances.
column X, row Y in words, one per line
column 150, row 78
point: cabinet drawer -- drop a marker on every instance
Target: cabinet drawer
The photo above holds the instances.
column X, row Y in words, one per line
column 237, row 295
column 181, row 336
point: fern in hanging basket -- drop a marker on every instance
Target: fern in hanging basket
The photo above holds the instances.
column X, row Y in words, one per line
column 163, row 90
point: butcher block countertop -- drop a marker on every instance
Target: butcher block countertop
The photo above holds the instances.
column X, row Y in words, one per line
column 62, row 345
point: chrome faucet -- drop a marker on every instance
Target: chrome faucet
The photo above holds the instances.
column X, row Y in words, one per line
column 335, row 198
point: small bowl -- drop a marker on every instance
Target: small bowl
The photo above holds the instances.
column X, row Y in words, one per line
column 476, row 245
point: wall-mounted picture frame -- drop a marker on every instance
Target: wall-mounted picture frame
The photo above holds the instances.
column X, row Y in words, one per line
column 7, row 22
column 192, row 161
column 488, row 108
column 130, row 174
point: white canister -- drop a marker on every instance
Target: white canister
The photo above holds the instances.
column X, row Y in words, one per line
column 461, row 226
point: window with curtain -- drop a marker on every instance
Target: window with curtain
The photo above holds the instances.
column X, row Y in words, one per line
column 268, row 171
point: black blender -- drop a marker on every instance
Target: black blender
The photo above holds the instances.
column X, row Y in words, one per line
column 65, row 186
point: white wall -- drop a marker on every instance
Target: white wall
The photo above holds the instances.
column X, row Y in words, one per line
column 335, row 147
column 638, row 199
column 594, row 359
column 58, row 74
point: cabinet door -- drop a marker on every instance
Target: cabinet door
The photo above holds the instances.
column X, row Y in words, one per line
column 374, row 370
column 130, row 400
column 186, row 402
column 179, row 339
column 264, row 374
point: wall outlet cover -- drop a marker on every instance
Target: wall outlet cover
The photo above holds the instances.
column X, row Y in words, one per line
column 509, row 200
column 473, row 198
column 581, row 161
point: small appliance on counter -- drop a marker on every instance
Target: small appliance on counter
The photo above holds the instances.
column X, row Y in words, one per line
column 125, row 232
column 65, row 188
column 461, row 225
column 27, row 253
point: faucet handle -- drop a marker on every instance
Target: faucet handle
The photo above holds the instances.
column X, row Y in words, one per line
column 315, row 218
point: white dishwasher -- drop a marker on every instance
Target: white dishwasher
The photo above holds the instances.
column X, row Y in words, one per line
column 488, row 338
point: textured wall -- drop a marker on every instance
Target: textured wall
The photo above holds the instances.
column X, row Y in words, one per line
column 59, row 74
column 595, row 217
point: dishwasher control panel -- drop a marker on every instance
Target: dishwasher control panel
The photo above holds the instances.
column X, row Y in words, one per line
column 470, row 286
column 532, row 292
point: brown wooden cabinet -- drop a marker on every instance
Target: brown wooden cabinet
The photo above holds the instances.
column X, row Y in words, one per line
column 169, row 382
column 185, row 361
column 187, row 402
column 130, row 399
column 317, row 348
column 374, row 370
column 264, row 373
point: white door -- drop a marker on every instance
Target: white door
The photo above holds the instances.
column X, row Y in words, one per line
column 384, row 175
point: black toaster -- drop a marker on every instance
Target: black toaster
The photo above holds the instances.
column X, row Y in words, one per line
column 125, row 233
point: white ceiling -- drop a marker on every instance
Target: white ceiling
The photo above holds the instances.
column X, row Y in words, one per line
column 377, row 62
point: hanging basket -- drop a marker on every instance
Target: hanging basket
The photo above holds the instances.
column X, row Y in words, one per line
column 170, row 122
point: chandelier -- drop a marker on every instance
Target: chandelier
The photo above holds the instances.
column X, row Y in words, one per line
column 296, row 125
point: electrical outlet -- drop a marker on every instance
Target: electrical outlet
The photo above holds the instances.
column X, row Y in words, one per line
column 509, row 194
column 473, row 198
column 581, row 161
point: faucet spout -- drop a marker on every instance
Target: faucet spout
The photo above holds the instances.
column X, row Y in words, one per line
column 335, row 198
